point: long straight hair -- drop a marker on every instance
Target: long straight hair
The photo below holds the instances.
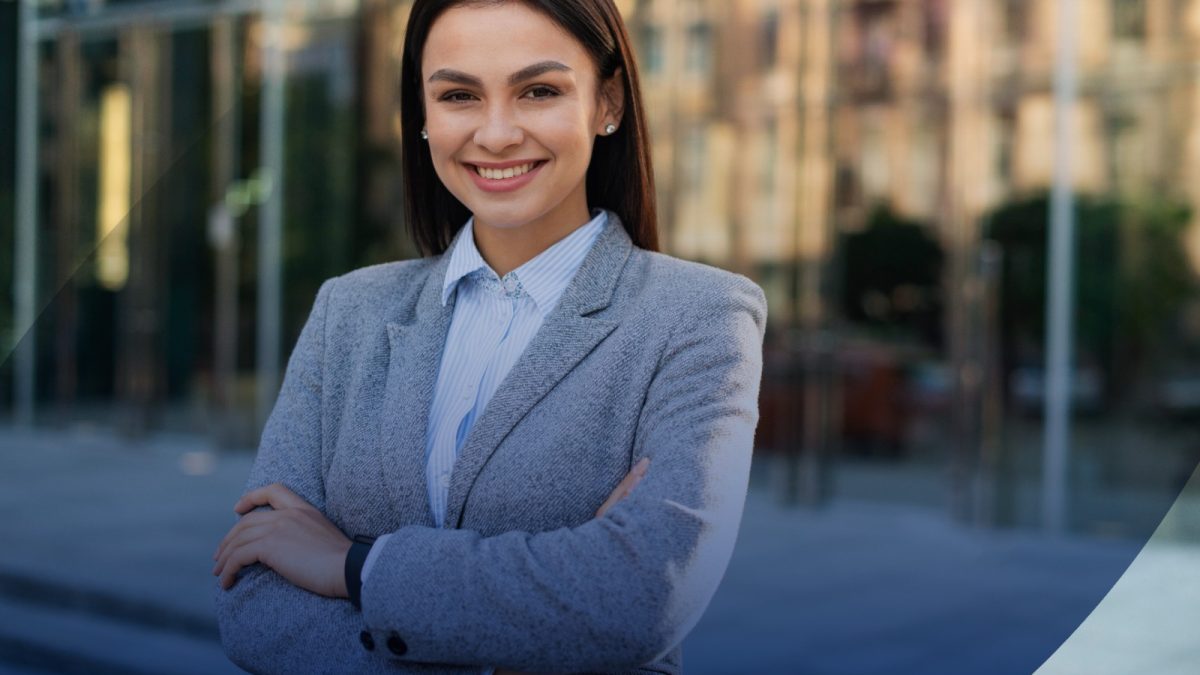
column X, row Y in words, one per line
column 620, row 176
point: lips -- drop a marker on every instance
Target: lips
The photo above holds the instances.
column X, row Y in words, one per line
column 504, row 177
column 496, row 173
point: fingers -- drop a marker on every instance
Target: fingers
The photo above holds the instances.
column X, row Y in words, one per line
column 241, row 550
column 640, row 468
column 247, row 521
column 239, row 558
column 625, row 486
column 276, row 495
column 634, row 476
column 238, row 536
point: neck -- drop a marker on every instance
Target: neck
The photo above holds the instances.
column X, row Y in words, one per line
column 507, row 248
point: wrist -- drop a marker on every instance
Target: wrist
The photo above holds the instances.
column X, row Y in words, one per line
column 356, row 555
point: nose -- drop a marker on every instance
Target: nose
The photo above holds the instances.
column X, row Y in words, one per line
column 499, row 130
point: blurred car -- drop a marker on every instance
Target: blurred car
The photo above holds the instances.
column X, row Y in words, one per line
column 1027, row 389
column 1178, row 394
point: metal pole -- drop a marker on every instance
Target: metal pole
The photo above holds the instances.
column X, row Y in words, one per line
column 1060, row 277
column 25, row 267
column 808, row 470
column 223, row 225
column 270, row 230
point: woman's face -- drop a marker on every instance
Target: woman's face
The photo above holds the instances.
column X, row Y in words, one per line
column 509, row 93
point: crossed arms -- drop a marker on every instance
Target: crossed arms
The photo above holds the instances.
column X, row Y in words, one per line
column 616, row 592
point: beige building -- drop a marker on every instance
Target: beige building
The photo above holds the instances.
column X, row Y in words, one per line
column 779, row 122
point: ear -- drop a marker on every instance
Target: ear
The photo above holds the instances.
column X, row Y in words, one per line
column 612, row 99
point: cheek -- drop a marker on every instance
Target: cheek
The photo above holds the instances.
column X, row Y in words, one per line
column 566, row 137
column 446, row 169
column 445, row 140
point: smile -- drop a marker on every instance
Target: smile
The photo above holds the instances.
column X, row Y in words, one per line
column 505, row 179
column 511, row 172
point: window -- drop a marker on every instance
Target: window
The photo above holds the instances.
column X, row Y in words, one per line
column 1015, row 15
column 770, row 158
column 1129, row 19
column 652, row 49
column 769, row 39
column 699, row 49
column 695, row 165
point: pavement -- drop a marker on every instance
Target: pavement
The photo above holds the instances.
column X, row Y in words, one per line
column 106, row 563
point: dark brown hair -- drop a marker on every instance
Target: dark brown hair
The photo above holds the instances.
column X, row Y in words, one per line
column 620, row 177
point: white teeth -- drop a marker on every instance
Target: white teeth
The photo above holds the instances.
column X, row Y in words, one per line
column 500, row 174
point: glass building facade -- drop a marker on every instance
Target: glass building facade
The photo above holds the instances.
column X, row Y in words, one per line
column 881, row 167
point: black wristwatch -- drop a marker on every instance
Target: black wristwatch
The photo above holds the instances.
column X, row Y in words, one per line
column 355, row 557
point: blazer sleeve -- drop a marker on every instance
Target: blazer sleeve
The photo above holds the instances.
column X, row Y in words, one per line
column 618, row 591
column 267, row 624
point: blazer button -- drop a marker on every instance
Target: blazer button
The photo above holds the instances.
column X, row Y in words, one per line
column 396, row 645
column 367, row 640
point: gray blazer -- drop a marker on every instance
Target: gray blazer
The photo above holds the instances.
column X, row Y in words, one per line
column 645, row 355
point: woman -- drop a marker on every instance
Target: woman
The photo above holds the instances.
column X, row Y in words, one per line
column 474, row 408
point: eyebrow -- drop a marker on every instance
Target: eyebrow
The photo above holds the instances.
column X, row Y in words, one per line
column 526, row 73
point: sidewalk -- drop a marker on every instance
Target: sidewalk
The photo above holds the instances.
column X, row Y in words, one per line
column 107, row 554
column 107, row 551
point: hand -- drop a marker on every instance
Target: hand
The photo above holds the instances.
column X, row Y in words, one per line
column 294, row 539
column 625, row 486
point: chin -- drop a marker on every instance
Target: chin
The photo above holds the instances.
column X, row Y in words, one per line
column 502, row 217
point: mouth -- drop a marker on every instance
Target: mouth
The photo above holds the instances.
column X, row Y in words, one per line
column 504, row 179
column 506, row 173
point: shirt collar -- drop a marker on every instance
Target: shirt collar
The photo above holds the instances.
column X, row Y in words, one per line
column 545, row 277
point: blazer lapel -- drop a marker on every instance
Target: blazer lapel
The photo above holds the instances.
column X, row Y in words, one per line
column 566, row 337
column 416, row 339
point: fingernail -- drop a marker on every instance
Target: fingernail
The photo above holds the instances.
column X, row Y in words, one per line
column 642, row 464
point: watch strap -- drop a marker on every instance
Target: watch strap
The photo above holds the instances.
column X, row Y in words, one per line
column 355, row 557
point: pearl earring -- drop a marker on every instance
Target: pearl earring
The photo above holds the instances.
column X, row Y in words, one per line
column 610, row 129
column 424, row 134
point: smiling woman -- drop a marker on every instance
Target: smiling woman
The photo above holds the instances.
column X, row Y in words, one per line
column 482, row 422
column 489, row 110
column 498, row 85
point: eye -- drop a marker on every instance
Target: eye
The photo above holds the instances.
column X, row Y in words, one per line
column 456, row 97
column 542, row 91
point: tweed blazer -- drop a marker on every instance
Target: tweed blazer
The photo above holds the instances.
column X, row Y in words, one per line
column 645, row 355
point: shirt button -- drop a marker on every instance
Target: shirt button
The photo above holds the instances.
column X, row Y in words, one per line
column 396, row 645
column 444, row 481
column 367, row 640
column 510, row 285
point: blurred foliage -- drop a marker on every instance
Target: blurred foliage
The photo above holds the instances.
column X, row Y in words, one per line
column 1132, row 276
column 319, row 198
column 891, row 277
column 6, row 263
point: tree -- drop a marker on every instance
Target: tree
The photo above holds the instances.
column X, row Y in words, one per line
column 1132, row 276
column 891, row 275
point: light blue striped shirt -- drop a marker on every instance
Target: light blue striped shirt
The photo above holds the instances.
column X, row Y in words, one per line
column 494, row 320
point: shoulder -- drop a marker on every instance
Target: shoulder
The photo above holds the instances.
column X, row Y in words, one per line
column 389, row 284
column 688, row 290
column 357, row 303
column 384, row 278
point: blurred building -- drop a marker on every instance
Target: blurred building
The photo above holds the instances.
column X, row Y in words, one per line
column 777, row 120
column 201, row 166
column 782, row 126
